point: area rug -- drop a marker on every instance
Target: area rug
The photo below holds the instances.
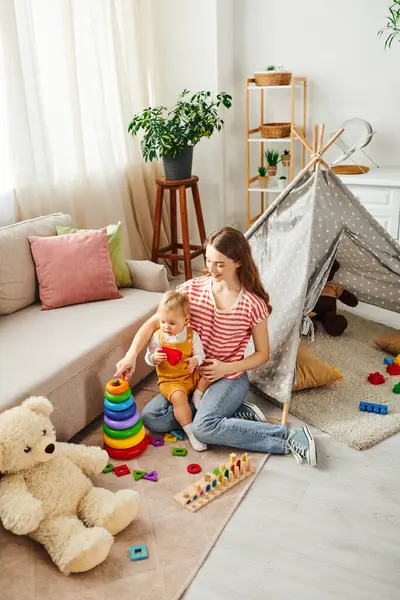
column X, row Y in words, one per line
column 177, row 541
column 335, row 408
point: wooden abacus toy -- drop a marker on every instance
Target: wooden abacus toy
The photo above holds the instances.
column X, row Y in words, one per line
column 215, row 483
column 124, row 433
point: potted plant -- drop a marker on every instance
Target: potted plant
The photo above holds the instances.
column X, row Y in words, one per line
column 285, row 158
column 273, row 159
column 273, row 76
column 262, row 177
column 171, row 135
column 282, row 182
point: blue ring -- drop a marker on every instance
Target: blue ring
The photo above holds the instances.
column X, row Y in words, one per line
column 122, row 415
column 118, row 406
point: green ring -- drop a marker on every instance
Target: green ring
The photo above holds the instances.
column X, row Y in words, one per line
column 123, row 434
column 118, row 397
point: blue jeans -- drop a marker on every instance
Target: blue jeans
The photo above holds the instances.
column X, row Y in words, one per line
column 213, row 422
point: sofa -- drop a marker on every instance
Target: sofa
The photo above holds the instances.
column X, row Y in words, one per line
column 66, row 354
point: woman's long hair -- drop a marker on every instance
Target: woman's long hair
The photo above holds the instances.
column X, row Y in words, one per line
column 231, row 243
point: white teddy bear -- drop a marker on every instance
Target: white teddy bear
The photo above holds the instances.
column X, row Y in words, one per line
column 45, row 492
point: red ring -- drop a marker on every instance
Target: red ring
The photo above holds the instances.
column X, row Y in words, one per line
column 193, row 468
column 127, row 453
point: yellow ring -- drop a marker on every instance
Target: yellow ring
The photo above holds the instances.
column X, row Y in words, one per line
column 127, row 443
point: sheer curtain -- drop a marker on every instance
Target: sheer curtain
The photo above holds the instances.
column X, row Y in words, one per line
column 76, row 71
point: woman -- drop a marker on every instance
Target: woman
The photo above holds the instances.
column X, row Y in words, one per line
column 228, row 306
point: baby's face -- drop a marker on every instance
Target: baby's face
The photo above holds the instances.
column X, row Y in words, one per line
column 172, row 322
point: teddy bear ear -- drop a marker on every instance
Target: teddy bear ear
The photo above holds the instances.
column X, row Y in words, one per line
column 39, row 404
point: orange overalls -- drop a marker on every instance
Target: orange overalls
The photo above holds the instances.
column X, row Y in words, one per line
column 173, row 378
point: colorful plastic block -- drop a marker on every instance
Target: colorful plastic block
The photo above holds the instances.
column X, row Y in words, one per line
column 120, row 470
column 108, row 468
column 173, row 355
column 168, row 437
column 193, row 468
column 139, row 474
column 393, row 369
column 397, row 360
column 373, row 408
column 396, row 388
column 216, row 471
column 179, row 452
column 388, row 360
column 157, row 441
column 151, row 476
column 178, row 434
column 138, row 552
column 376, row 378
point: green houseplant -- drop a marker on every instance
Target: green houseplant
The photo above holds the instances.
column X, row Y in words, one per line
column 172, row 134
column 285, row 158
column 273, row 159
column 392, row 27
column 282, row 182
column 262, row 178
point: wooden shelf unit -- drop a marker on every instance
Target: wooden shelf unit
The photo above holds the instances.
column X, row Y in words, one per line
column 252, row 137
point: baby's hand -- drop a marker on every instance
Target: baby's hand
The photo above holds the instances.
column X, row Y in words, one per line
column 158, row 356
column 192, row 363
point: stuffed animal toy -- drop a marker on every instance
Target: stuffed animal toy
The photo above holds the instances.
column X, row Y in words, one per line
column 325, row 309
column 45, row 491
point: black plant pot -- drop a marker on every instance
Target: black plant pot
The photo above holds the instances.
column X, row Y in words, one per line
column 180, row 166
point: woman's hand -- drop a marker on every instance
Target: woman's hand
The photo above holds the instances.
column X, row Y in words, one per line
column 158, row 356
column 126, row 367
column 214, row 369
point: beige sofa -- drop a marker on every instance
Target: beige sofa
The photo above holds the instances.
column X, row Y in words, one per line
column 67, row 354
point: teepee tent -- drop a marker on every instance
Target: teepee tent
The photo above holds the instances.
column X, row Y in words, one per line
column 294, row 243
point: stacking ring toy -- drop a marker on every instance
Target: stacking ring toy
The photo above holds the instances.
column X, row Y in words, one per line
column 122, row 414
column 119, row 405
column 122, row 423
column 117, row 386
column 128, row 453
column 120, row 398
column 123, row 434
column 193, row 468
column 128, row 443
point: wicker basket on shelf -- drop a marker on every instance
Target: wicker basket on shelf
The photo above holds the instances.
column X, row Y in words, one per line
column 275, row 130
column 272, row 78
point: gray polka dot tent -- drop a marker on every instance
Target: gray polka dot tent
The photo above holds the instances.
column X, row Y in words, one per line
column 294, row 243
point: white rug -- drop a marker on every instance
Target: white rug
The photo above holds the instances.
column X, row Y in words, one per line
column 335, row 408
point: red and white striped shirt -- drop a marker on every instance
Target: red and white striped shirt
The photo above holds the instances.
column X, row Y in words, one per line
column 224, row 333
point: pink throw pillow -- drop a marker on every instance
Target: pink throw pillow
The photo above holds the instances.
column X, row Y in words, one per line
column 73, row 268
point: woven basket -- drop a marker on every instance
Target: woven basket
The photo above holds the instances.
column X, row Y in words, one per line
column 275, row 130
column 273, row 78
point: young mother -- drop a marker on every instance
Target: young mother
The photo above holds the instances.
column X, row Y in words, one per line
column 228, row 306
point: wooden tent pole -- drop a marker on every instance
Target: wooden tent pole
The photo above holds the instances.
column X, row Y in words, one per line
column 306, row 144
column 331, row 141
column 321, row 136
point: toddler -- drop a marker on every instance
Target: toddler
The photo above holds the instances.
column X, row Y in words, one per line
column 177, row 382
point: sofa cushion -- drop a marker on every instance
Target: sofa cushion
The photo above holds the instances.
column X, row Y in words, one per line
column 69, row 354
column 73, row 269
column 18, row 287
column 114, row 234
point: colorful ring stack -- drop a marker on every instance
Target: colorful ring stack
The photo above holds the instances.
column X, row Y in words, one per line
column 124, row 433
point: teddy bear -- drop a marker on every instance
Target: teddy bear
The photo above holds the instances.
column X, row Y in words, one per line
column 325, row 308
column 46, row 493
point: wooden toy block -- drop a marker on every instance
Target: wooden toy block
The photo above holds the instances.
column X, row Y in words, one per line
column 178, row 434
column 151, row 476
column 373, row 408
column 179, row 452
column 388, row 360
column 194, row 468
column 157, row 441
column 212, row 485
column 108, row 468
column 139, row 474
column 120, row 470
column 168, row 437
column 138, row 552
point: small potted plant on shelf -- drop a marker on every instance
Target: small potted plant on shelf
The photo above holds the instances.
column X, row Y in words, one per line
column 273, row 159
column 282, row 182
column 262, row 177
column 285, row 158
column 172, row 134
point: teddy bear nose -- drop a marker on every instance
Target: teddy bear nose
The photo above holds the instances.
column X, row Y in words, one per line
column 50, row 449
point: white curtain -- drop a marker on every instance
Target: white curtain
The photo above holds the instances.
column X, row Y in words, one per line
column 76, row 71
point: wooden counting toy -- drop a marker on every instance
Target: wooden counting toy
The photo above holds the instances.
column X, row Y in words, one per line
column 168, row 437
column 179, row 452
column 214, row 484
